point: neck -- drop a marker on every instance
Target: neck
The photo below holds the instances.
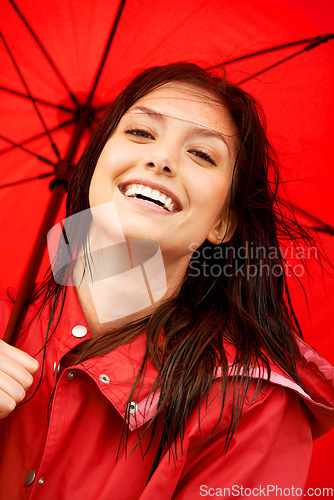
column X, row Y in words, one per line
column 114, row 301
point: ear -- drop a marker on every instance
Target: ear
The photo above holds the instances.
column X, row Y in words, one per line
column 224, row 229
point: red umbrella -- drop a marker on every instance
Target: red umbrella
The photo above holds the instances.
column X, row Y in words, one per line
column 61, row 62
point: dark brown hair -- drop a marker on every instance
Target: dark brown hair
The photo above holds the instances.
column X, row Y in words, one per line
column 254, row 312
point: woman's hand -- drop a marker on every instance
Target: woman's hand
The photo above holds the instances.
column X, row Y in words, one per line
column 16, row 376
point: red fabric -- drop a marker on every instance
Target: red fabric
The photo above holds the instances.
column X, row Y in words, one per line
column 75, row 454
column 297, row 98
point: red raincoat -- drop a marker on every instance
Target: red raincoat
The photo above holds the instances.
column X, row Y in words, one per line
column 74, row 455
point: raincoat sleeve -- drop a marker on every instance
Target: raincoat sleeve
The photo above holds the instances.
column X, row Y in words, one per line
column 271, row 449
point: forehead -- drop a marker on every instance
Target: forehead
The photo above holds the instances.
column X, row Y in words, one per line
column 189, row 103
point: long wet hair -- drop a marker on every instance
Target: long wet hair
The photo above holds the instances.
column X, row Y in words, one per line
column 251, row 310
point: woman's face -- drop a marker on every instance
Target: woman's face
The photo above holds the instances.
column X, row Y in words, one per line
column 168, row 169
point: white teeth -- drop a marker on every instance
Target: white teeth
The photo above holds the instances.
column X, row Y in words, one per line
column 130, row 191
column 147, row 192
column 154, row 194
column 168, row 202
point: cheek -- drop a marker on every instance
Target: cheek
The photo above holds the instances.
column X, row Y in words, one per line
column 116, row 159
column 107, row 169
column 93, row 191
column 210, row 194
column 99, row 184
column 212, row 203
column 104, row 164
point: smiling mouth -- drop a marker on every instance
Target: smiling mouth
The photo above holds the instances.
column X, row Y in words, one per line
column 151, row 195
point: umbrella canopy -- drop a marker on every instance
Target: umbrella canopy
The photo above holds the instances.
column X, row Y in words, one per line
column 62, row 62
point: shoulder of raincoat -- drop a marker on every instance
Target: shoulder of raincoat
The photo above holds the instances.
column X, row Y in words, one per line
column 62, row 443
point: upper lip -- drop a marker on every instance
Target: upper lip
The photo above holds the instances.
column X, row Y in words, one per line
column 153, row 185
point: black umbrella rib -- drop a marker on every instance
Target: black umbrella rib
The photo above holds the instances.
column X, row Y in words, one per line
column 35, row 137
column 313, row 42
column 101, row 108
column 36, row 99
column 52, row 63
column 270, row 67
column 106, row 52
column 54, row 147
column 23, row 181
column 39, row 157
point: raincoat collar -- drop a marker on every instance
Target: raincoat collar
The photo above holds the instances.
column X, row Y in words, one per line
column 115, row 373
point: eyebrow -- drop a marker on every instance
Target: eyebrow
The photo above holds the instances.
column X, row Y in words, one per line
column 197, row 130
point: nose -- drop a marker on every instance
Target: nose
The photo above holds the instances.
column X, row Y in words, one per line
column 162, row 161
column 160, row 168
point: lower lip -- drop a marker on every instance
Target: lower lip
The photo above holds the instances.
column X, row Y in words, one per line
column 148, row 205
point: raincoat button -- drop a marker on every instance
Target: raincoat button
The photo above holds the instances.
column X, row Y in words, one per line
column 104, row 378
column 55, row 368
column 133, row 407
column 79, row 331
column 71, row 374
column 30, row 477
column 40, row 481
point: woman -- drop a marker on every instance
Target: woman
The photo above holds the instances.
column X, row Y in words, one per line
column 204, row 389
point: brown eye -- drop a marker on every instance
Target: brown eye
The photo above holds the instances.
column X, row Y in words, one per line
column 138, row 132
column 204, row 155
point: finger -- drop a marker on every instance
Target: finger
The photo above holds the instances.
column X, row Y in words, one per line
column 12, row 388
column 21, row 357
column 7, row 404
column 16, row 371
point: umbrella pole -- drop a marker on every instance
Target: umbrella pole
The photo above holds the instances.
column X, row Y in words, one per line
column 30, row 274
column 58, row 188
